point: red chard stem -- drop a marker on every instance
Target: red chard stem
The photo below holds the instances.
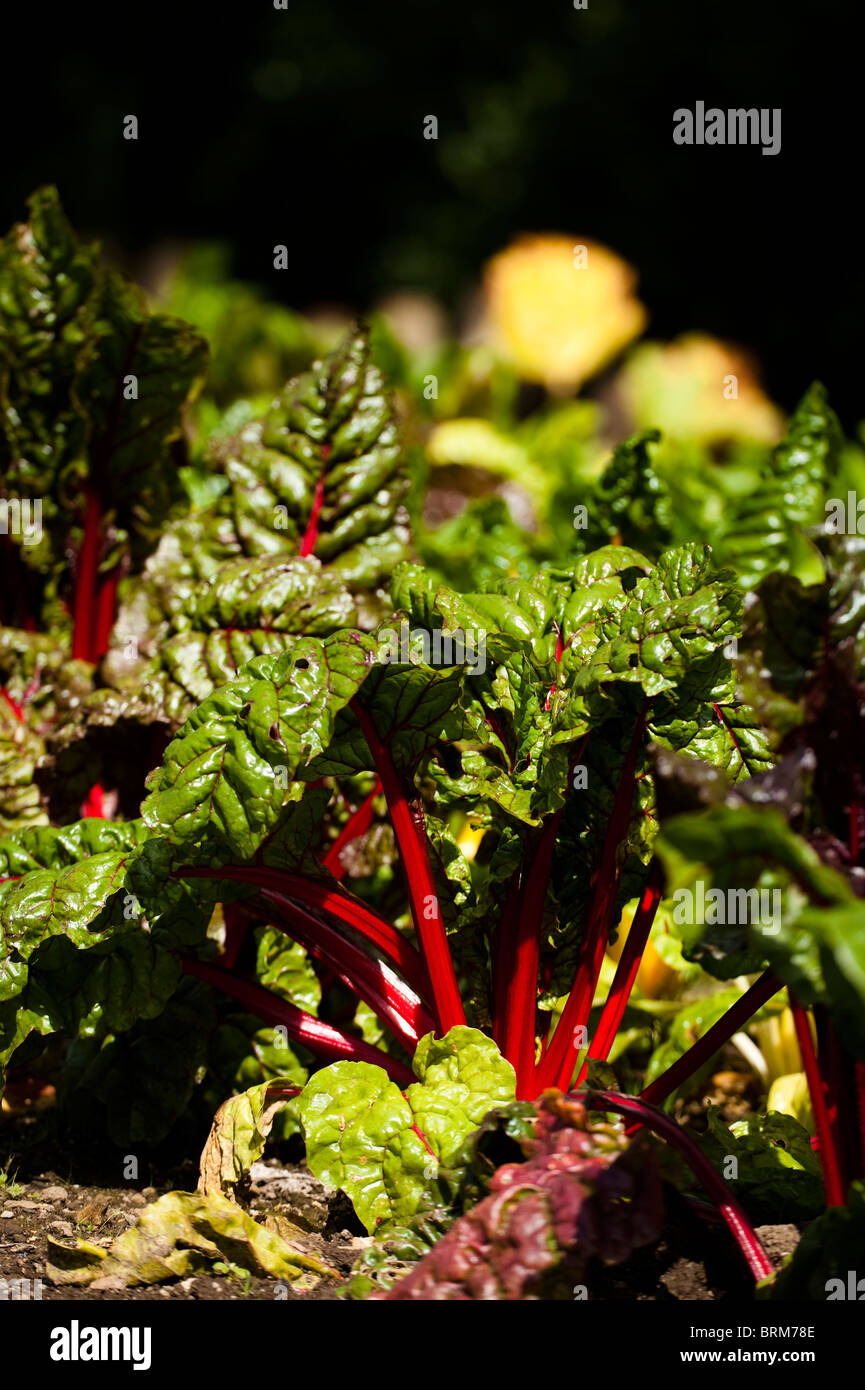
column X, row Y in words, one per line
column 83, row 632
column 13, row 704
column 519, row 1032
column 324, row 1039
column 358, row 824
column 859, row 1074
column 504, row 952
column 388, row 996
column 557, row 1067
column 106, row 603
column 337, row 904
column 307, row 545
column 829, row 1159
column 743, row 1232
column 93, row 805
column 423, row 898
column 626, row 973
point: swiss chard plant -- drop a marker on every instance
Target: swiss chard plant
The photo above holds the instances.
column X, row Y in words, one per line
column 287, row 810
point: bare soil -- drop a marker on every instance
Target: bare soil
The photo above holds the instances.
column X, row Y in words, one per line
column 30, row 1212
column 693, row 1262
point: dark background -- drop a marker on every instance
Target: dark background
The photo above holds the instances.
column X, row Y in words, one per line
column 304, row 126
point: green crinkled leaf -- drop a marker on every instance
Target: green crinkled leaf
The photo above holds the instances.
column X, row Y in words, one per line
column 226, row 583
column 460, row 1077
column 705, row 719
column 283, row 967
column 127, row 977
column 91, row 384
column 60, row 881
column 177, row 910
column 756, row 533
column 504, row 1134
column 20, row 750
column 271, row 592
column 250, row 607
column 846, row 562
column 617, row 619
column 411, row 706
column 362, row 1132
column 295, row 840
column 139, row 1081
column 358, row 1130
column 131, row 977
column 52, row 902
column 777, row 1175
column 323, row 470
column 228, row 771
column 48, row 289
column 631, row 499
column 182, row 634
column 808, row 456
column 60, row 847
column 677, row 615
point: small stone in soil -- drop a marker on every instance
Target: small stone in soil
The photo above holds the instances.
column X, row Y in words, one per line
column 687, row 1280
column 778, row 1241
column 23, row 1204
column 300, row 1194
column 93, row 1212
column 54, row 1193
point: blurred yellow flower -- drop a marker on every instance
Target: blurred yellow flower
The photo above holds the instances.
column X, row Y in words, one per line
column 654, row 976
column 469, row 840
column 698, row 388
column 561, row 309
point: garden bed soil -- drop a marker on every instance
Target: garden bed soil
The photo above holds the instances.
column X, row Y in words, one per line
column 694, row 1261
